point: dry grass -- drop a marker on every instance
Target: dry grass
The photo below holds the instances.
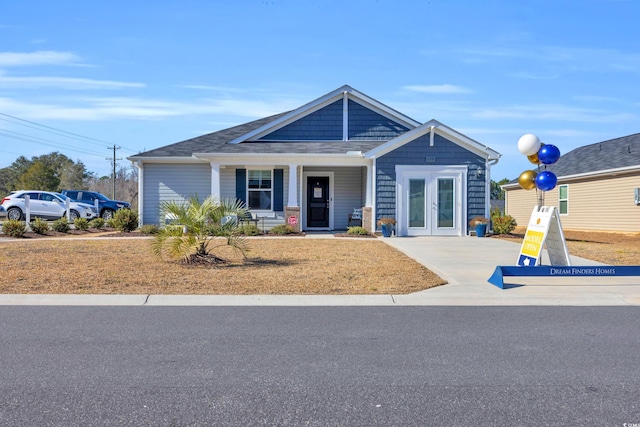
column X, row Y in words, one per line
column 274, row 266
column 609, row 248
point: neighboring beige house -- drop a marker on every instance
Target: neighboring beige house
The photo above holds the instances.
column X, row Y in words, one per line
column 598, row 188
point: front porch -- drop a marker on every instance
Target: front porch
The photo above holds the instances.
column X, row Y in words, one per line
column 308, row 197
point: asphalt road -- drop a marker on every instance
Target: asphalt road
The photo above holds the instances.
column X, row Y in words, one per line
column 353, row 366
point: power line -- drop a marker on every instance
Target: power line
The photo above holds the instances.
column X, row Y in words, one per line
column 37, row 140
column 58, row 132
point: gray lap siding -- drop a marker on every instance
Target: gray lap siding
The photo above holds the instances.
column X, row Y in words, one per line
column 172, row 182
column 417, row 152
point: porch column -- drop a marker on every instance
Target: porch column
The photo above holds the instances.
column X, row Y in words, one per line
column 140, row 193
column 215, row 179
column 292, row 211
column 293, row 185
column 368, row 188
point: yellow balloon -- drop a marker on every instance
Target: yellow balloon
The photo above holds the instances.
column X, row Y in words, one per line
column 533, row 158
column 527, row 180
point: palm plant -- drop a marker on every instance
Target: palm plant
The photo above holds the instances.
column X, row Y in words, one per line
column 199, row 227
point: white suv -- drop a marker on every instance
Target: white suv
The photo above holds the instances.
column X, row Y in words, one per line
column 46, row 205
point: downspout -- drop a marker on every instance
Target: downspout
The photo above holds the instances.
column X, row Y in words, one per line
column 488, row 163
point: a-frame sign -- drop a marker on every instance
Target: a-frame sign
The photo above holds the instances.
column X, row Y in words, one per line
column 544, row 227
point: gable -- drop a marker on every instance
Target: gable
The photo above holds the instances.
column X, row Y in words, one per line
column 321, row 125
column 366, row 124
column 431, row 131
column 328, row 124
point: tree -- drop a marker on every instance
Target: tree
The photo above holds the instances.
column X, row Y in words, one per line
column 197, row 229
column 50, row 172
column 39, row 177
column 74, row 176
column 497, row 193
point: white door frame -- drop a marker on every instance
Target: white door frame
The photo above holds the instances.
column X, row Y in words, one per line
column 430, row 174
column 303, row 213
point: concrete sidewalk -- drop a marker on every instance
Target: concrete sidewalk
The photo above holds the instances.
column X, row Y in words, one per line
column 465, row 262
column 468, row 262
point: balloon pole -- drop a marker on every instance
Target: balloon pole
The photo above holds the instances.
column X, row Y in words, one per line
column 541, row 155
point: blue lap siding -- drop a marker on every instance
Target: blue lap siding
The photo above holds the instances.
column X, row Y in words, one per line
column 417, row 152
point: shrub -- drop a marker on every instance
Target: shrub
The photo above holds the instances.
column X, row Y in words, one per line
column 14, row 228
column 249, row 230
column 81, row 224
column 125, row 220
column 502, row 224
column 40, row 226
column 96, row 223
column 149, row 229
column 359, row 231
column 111, row 222
column 282, row 229
column 478, row 220
column 60, row 225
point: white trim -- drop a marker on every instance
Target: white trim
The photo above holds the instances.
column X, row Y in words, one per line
column 347, row 159
column 303, row 199
column 322, row 102
column 215, row 179
column 293, row 185
column 140, row 166
column 260, row 168
column 566, row 199
column 166, row 159
column 374, row 187
column 433, row 126
column 345, row 116
column 431, row 173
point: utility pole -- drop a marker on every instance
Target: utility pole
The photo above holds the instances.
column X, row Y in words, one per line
column 114, row 159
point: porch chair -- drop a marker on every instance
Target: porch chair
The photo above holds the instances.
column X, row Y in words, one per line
column 355, row 217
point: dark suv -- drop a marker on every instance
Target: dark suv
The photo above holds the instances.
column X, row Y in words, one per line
column 106, row 206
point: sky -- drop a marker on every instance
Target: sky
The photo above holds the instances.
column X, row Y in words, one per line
column 79, row 77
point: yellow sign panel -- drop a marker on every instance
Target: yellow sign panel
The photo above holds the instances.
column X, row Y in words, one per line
column 544, row 229
column 532, row 244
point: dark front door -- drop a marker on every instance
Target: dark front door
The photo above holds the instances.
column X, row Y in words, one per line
column 318, row 201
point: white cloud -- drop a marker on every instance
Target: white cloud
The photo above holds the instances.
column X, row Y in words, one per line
column 113, row 108
column 443, row 88
column 553, row 112
column 38, row 82
column 42, row 57
column 569, row 58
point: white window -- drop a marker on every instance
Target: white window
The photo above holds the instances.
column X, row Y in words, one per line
column 563, row 199
column 259, row 189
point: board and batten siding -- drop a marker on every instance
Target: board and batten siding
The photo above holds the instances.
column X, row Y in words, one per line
column 347, row 192
column 419, row 152
column 596, row 204
column 172, row 182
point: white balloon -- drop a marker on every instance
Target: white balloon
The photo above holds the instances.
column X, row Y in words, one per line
column 529, row 144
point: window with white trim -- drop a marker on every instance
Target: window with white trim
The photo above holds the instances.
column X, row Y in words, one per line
column 259, row 184
column 563, row 199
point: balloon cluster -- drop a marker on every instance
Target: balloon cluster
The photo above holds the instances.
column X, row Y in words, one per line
column 538, row 154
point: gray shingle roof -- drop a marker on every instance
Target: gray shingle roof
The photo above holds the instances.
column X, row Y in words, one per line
column 612, row 154
column 217, row 142
column 209, row 143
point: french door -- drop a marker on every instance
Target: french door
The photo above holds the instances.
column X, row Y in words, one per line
column 430, row 204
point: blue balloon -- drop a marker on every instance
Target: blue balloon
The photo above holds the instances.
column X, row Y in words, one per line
column 546, row 181
column 548, row 154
